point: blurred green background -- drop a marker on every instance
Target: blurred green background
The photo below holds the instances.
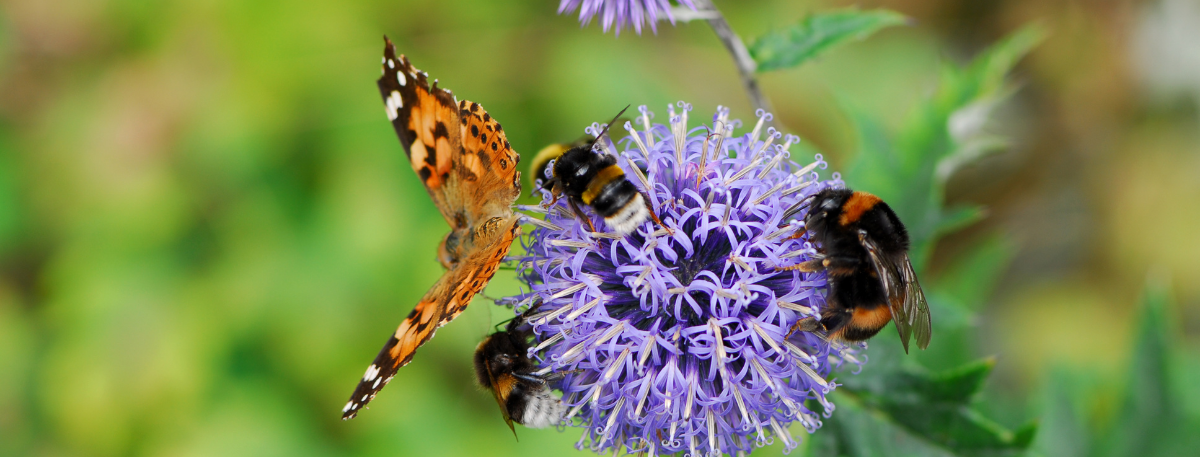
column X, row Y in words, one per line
column 207, row 228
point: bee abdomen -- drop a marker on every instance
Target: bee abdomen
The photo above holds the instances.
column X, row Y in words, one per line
column 538, row 409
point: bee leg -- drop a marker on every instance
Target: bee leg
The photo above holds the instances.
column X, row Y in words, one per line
column 531, row 378
column 808, row 324
column 799, row 234
column 654, row 216
column 807, row 266
column 580, row 214
column 840, row 265
column 560, row 374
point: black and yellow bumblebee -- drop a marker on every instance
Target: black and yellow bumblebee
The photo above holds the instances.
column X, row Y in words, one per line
column 502, row 365
column 863, row 247
column 593, row 179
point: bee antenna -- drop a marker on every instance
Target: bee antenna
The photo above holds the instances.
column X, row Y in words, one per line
column 795, row 209
column 610, row 123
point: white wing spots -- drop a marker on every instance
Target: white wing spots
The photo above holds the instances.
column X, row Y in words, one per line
column 391, row 63
column 364, row 398
column 376, row 385
column 372, row 373
column 394, row 103
column 349, row 405
column 401, row 79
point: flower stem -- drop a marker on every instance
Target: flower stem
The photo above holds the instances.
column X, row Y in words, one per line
column 741, row 57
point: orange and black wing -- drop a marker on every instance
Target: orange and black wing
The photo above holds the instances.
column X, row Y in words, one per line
column 457, row 150
column 441, row 304
column 910, row 310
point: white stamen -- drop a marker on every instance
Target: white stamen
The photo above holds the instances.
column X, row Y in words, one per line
column 766, row 337
column 541, row 223
column 611, row 236
column 691, row 398
column 771, row 134
column 617, row 365
column 798, row 188
column 807, row 168
column 567, row 291
column 783, row 434
column 763, row 372
column 549, row 341
column 649, row 134
column 770, row 166
column 727, row 294
column 779, row 232
column 637, row 282
column 737, row 260
column 647, row 350
column 743, row 172
column 533, row 208
column 712, row 432
column 762, row 117
column 581, row 310
column 766, row 194
column 813, row 374
column 789, row 140
column 569, row 244
column 794, row 307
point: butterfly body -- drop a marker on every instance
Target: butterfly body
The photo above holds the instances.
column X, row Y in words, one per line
column 461, row 155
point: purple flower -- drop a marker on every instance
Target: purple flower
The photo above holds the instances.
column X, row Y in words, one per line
column 622, row 12
column 677, row 340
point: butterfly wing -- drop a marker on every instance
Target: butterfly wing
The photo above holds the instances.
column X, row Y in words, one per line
column 910, row 310
column 468, row 167
column 458, row 151
column 440, row 305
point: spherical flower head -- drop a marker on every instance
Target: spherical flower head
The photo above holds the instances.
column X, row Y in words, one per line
column 677, row 338
column 622, row 13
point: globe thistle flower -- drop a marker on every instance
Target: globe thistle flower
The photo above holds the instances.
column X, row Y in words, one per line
column 622, row 13
column 676, row 339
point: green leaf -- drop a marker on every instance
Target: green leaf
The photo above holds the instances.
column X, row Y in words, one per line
column 1150, row 422
column 933, row 408
column 817, row 33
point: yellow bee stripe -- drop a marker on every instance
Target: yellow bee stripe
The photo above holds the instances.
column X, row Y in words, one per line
column 547, row 153
column 603, row 177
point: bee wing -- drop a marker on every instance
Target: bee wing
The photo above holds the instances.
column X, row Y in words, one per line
column 496, row 389
column 910, row 310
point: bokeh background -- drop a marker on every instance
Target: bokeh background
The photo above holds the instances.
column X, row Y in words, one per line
column 207, row 227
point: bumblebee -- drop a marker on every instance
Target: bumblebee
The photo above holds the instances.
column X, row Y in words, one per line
column 863, row 247
column 593, row 179
column 502, row 366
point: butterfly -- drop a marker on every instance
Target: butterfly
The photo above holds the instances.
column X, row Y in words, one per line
column 465, row 161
